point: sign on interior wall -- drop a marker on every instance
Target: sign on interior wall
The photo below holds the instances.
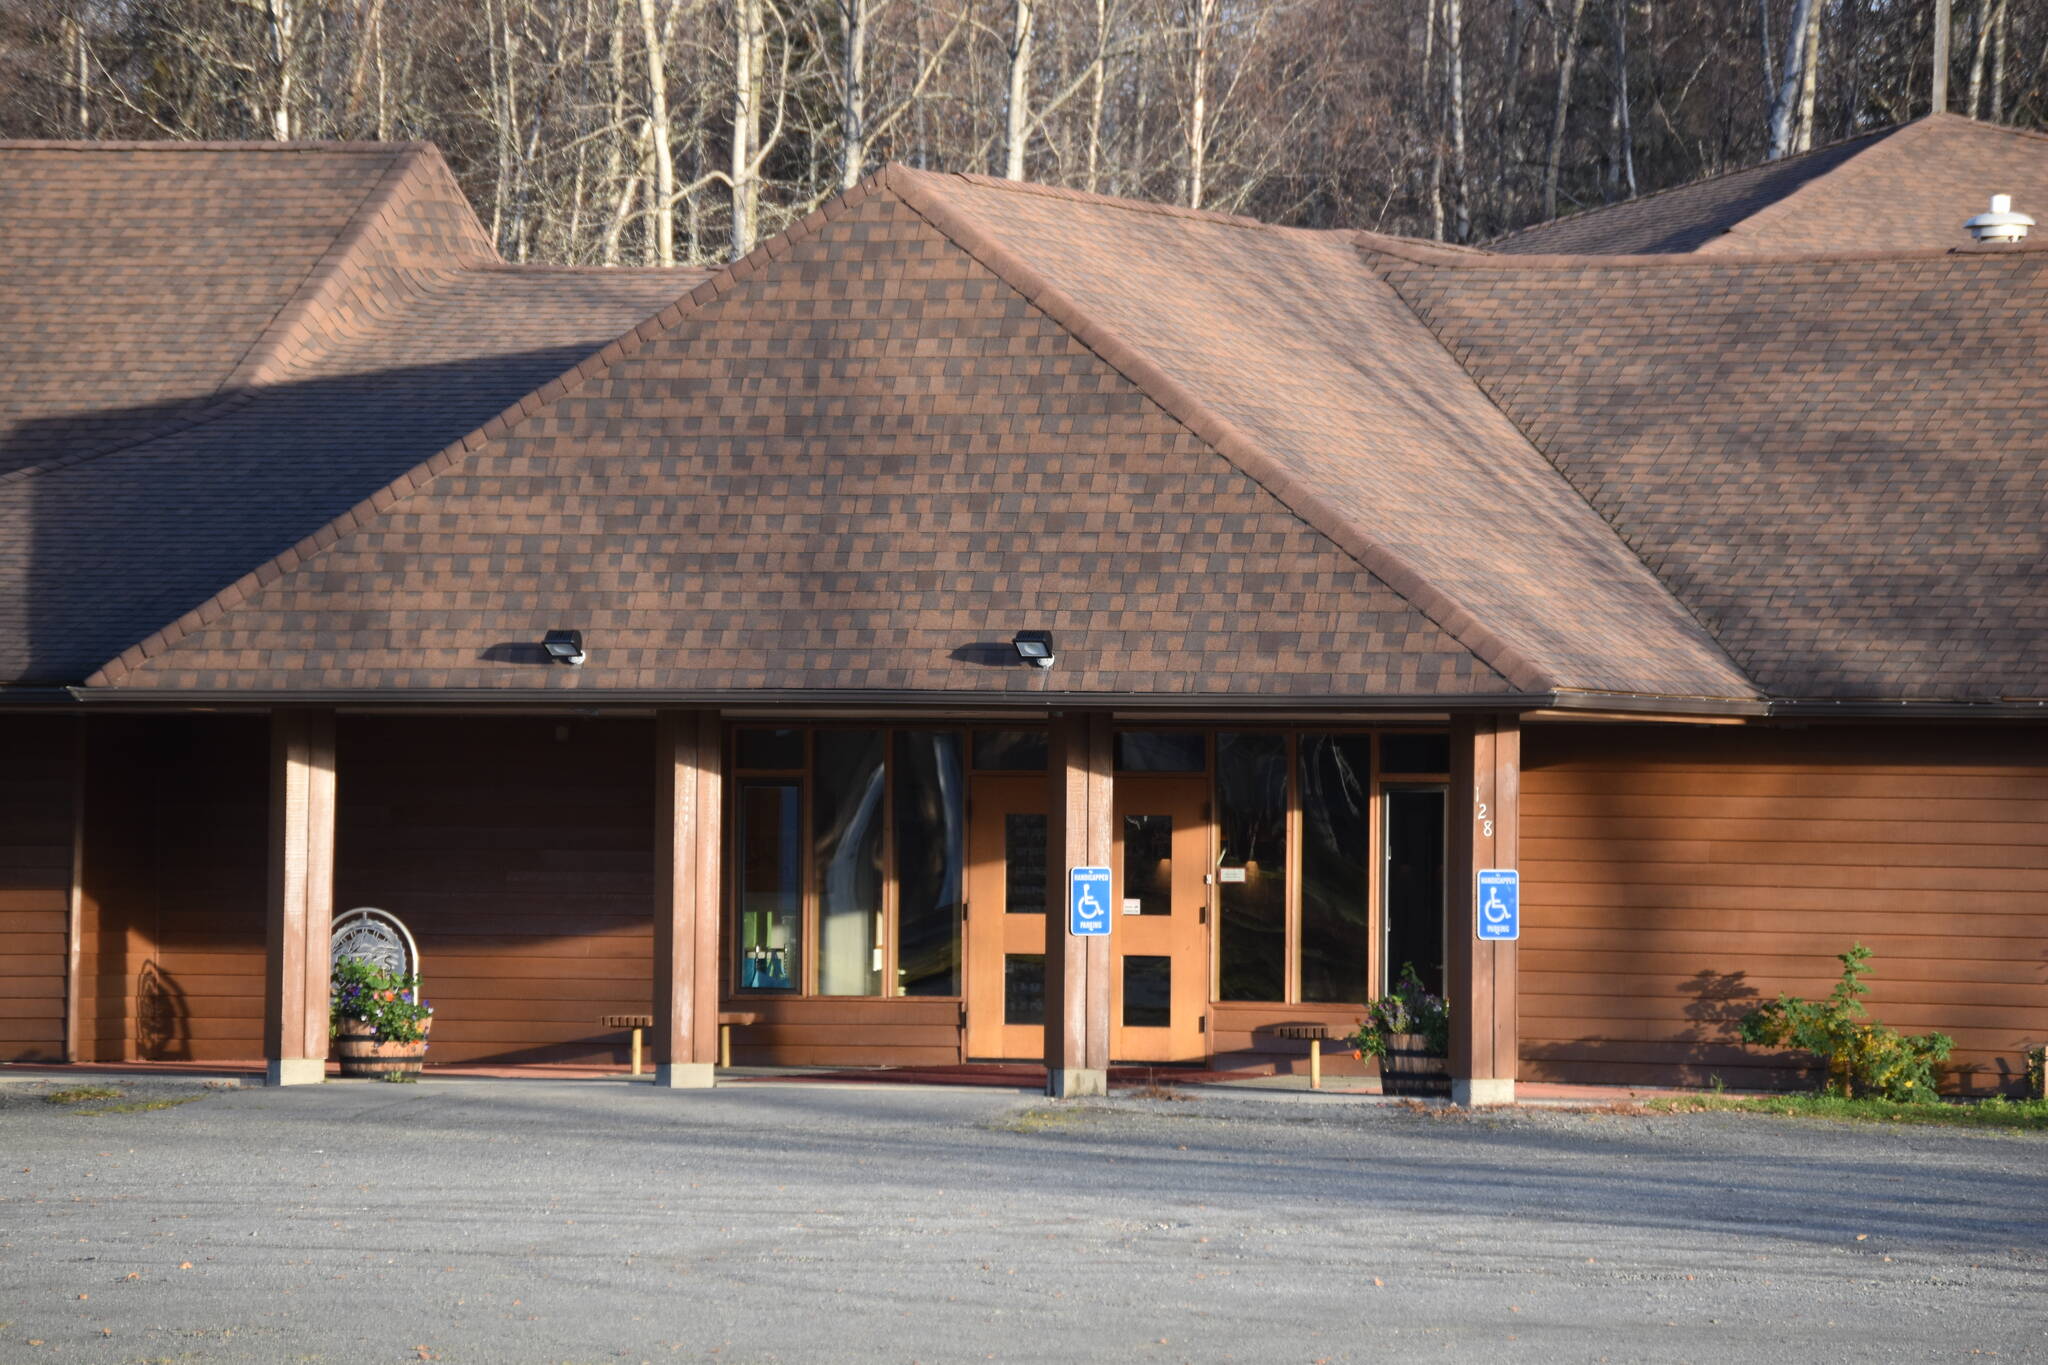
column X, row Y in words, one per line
column 1088, row 901
column 1500, row 903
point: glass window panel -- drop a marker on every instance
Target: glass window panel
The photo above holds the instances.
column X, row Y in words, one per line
column 1159, row 751
column 1010, row 751
column 1336, row 869
column 1415, row 883
column 1024, row 988
column 771, row 885
column 1148, row 991
column 1251, row 869
column 1024, row 864
column 1415, row 753
column 931, row 815
column 846, row 833
column 773, row 749
column 1148, row 863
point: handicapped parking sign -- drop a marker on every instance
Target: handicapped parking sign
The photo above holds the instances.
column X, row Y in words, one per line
column 1500, row 904
column 1088, row 901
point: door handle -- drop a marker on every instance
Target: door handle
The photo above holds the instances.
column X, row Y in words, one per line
column 1202, row 915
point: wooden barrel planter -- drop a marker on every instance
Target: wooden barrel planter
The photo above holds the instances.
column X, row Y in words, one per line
column 1410, row 1068
column 360, row 1054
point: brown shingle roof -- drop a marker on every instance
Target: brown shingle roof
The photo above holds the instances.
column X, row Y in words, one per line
column 376, row 328
column 1900, row 189
column 1289, row 355
column 858, row 461
column 1836, row 463
column 1219, row 459
column 139, row 282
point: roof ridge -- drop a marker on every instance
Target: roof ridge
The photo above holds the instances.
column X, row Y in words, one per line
column 1432, row 254
column 1683, row 607
column 53, row 144
column 1875, row 133
column 2031, row 134
column 1181, row 403
column 423, row 474
column 560, row 268
column 1746, row 229
column 263, row 362
column 285, row 335
column 1100, row 200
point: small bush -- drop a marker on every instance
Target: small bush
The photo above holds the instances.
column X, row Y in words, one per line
column 2037, row 1073
column 1862, row 1057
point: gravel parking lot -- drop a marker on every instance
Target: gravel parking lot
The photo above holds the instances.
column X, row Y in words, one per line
column 596, row 1221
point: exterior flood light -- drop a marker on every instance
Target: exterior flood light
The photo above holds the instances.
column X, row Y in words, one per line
column 564, row 646
column 1034, row 646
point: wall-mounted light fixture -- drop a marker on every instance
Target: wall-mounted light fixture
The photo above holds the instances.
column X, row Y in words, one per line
column 564, row 646
column 1034, row 646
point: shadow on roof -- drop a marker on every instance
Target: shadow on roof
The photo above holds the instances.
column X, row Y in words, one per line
column 96, row 555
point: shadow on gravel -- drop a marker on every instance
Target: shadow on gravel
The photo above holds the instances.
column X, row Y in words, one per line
column 1732, row 1174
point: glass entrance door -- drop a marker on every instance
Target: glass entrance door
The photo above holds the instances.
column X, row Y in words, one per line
column 1159, row 934
column 1006, row 890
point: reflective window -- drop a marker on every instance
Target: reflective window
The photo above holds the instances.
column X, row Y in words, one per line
column 846, row 832
column 771, row 886
column 1024, row 988
column 1336, row 868
column 1415, row 883
column 1251, row 866
column 1148, row 863
column 931, row 815
column 1160, row 751
column 1148, row 991
column 1010, row 751
column 1024, row 864
column 777, row 750
column 1415, row 753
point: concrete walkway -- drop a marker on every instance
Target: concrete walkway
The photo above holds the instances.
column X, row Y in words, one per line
column 1018, row 1077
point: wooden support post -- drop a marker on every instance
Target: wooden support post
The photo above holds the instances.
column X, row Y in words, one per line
column 688, row 801
column 1315, row 1063
column 301, row 896
column 1484, row 817
column 1077, row 969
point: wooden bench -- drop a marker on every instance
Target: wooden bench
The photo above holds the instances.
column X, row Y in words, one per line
column 1315, row 1034
column 640, row 1023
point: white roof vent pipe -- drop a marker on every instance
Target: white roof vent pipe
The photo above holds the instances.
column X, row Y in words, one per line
column 2001, row 224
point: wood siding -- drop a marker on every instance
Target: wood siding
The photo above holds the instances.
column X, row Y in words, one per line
column 846, row 1031
column 1245, row 1036
column 36, row 819
column 1676, row 876
column 117, row 910
column 199, row 995
column 520, row 852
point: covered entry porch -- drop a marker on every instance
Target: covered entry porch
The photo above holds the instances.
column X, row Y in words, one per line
column 887, row 889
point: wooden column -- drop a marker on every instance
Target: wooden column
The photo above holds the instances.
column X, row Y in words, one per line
column 1485, row 817
column 301, row 896
column 688, row 805
column 1076, row 969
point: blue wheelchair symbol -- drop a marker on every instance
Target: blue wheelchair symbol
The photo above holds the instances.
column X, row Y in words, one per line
column 1500, row 904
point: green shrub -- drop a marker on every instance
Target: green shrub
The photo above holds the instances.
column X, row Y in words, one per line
column 1862, row 1057
column 387, row 1001
column 2037, row 1073
column 1410, row 1007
